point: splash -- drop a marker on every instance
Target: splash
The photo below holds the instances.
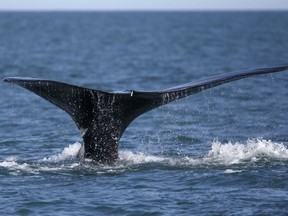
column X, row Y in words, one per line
column 69, row 152
column 141, row 158
column 253, row 150
column 221, row 154
column 14, row 166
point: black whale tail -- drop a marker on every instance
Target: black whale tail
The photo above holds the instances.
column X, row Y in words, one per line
column 102, row 116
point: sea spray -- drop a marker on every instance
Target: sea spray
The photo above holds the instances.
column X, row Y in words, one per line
column 253, row 149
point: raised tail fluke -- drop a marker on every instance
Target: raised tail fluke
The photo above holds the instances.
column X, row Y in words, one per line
column 74, row 100
column 186, row 89
column 102, row 116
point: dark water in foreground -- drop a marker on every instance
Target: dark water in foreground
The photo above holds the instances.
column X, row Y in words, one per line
column 220, row 152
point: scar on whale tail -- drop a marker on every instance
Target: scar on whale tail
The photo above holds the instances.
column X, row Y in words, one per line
column 103, row 116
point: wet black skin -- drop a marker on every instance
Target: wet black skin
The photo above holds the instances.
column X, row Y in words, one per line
column 102, row 117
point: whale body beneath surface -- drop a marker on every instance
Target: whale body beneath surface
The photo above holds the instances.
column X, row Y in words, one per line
column 103, row 116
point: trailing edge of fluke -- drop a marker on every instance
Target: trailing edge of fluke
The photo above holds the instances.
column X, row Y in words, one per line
column 103, row 116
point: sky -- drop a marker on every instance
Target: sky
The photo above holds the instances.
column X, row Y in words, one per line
column 143, row 4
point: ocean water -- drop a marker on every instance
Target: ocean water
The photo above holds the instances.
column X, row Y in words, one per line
column 223, row 151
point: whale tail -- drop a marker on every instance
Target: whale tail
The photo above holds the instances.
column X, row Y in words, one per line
column 103, row 116
column 100, row 116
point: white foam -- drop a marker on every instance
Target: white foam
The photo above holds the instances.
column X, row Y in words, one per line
column 229, row 171
column 69, row 152
column 229, row 153
column 13, row 165
column 220, row 154
column 8, row 164
column 140, row 158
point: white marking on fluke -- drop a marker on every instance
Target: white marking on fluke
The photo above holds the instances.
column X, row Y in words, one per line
column 83, row 131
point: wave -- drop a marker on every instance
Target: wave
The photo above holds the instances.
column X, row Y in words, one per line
column 221, row 154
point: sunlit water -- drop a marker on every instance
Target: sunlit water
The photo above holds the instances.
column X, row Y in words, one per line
column 223, row 151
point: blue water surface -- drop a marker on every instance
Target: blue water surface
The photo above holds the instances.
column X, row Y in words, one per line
column 223, row 151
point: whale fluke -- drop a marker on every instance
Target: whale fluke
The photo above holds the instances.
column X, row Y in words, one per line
column 103, row 116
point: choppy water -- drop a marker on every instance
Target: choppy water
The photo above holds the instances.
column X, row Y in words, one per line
column 220, row 152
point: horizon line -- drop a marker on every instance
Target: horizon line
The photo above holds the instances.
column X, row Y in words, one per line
column 146, row 10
